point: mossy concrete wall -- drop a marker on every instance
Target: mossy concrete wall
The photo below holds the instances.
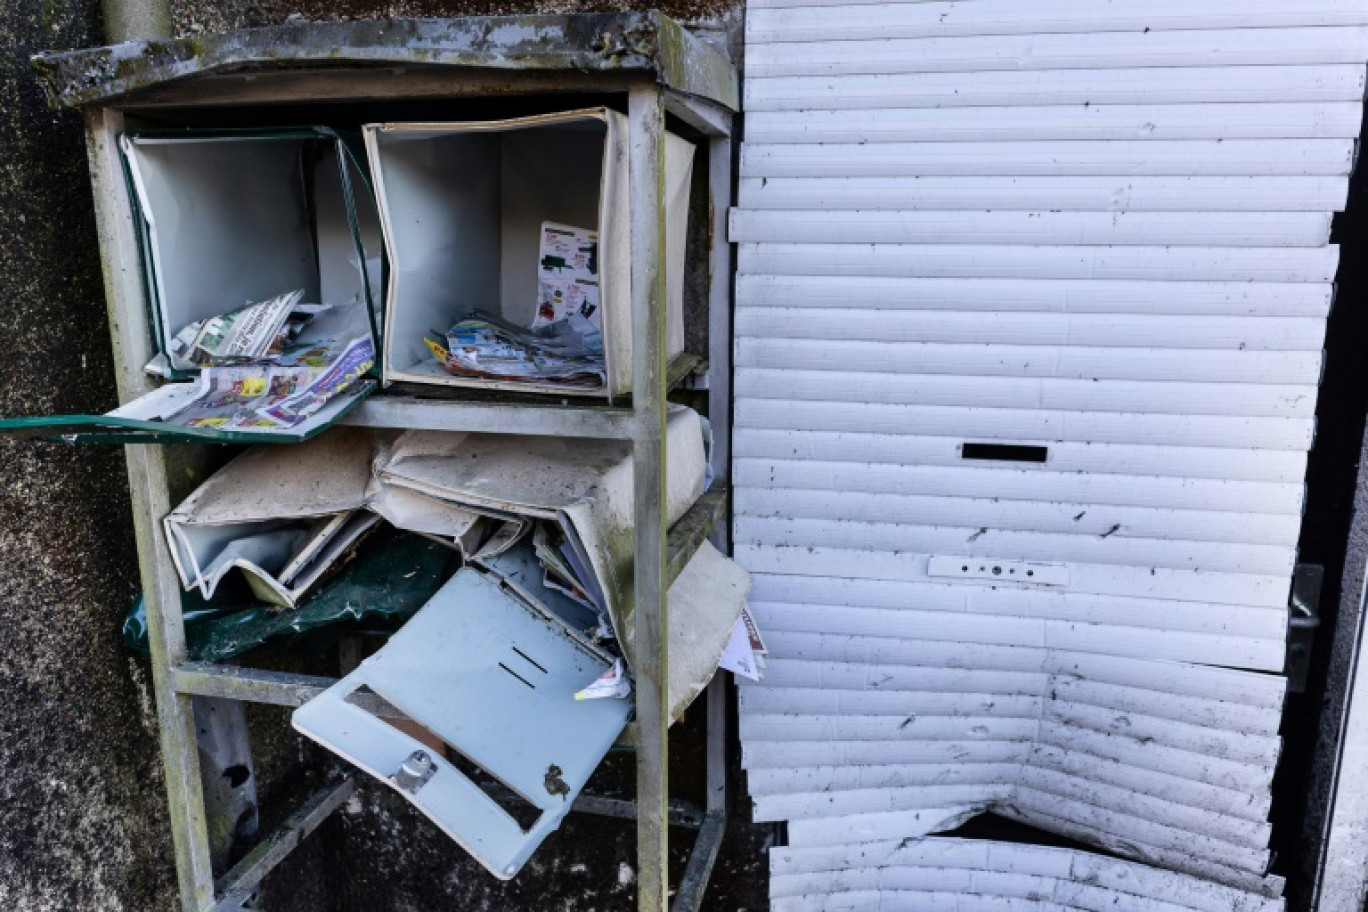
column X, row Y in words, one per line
column 82, row 808
column 83, row 822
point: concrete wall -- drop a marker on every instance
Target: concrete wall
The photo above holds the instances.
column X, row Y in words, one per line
column 83, row 822
column 82, row 808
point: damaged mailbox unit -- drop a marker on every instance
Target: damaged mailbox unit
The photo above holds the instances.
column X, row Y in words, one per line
column 494, row 665
column 643, row 59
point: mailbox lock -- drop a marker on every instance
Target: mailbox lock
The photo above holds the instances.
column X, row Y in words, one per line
column 414, row 772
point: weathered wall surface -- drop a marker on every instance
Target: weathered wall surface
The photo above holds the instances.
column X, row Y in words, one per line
column 193, row 16
column 82, row 809
column 83, row 821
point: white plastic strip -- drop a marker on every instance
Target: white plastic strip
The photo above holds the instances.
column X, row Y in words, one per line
column 1327, row 120
column 1156, row 843
column 1237, row 775
column 1201, row 711
column 1150, row 86
column 1059, row 456
column 826, row 779
column 834, row 21
column 1021, row 516
column 1127, row 156
column 1106, row 194
column 1009, row 545
column 1188, row 229
column 1235, row 399
column 872, row 827
column 1213, row 714
column 1198, row 48
column 1188, row 362
column 1260, row 654
column 946, row 858
column 1243, row 299
column 943, row 599
column 1179, row 681
column 1022, row 484
column 784, row 754
column 779, row 701
column 1240, row 833
column 1100, row 579
column 858, row 321
column 1295, row 264
column 809, row 806
column 841, row 778
column 1247, row 806
column 1025, row 424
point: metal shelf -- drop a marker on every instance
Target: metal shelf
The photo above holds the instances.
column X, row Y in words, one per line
column 537, row 416
column 382, row 411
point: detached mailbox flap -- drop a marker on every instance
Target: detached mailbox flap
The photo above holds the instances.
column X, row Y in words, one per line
column 494, row 677
column 143, row 421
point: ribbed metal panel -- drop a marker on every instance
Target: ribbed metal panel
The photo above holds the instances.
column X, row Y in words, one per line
column 1096, row 231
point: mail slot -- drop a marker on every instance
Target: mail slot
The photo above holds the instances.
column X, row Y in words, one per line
column 468, row 211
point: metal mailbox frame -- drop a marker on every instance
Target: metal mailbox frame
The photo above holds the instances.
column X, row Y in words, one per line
column 660, row 69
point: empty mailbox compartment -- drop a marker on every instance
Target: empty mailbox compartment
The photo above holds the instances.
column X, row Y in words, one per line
column 462, row 206
column 230, row 218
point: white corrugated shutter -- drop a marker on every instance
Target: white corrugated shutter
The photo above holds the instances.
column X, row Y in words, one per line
column 1088, row 232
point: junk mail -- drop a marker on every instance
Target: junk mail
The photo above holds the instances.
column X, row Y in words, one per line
column 564, row 343
column 538, row 622
column 485, row 221
column 260, row 286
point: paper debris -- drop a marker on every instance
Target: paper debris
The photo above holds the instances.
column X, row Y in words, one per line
column 612, row 683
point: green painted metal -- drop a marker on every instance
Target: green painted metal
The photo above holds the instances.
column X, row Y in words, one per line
column 384, row 586
column 113, row 429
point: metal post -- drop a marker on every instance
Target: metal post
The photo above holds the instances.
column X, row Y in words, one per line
column 129, row 20
column 720, row 324
column 1341, row 881
column 646, row 115
column 147, row 476
column 697, row 873
column 227, row 778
